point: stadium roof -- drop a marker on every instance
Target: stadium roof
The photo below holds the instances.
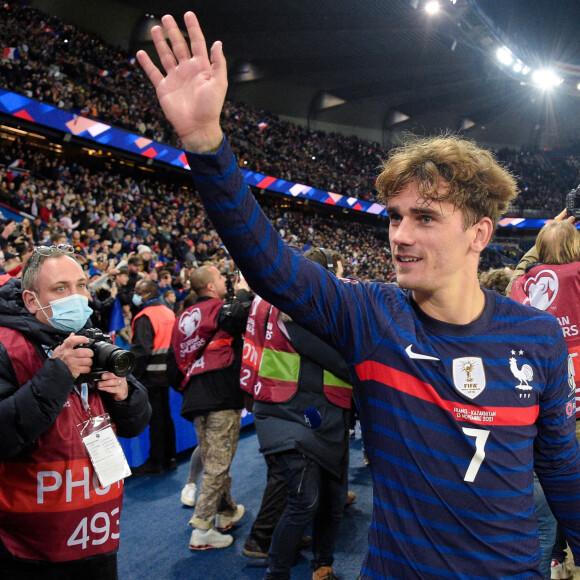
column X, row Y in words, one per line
column 388, row 66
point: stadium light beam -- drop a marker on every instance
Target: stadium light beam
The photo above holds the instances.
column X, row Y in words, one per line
column 546, row 79
column 432, row 7
column 504, row 56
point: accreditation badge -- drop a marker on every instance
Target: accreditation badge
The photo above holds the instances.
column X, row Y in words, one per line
column 104, row 450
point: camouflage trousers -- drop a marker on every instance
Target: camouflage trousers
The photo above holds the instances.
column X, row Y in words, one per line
column 217, row 435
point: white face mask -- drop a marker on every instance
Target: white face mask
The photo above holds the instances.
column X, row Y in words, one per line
column 69, row 314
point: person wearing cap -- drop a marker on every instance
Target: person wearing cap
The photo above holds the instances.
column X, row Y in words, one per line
column 144, row 251
column 302, row 412
column 37, row 229
column 146, row 254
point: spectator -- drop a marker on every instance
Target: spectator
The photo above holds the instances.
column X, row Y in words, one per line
column 169, row 299
column 496, row 279
column 37, row 231
column 134, row 268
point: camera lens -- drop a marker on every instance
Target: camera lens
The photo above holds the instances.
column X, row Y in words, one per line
column 114, row 359
column 123, row 363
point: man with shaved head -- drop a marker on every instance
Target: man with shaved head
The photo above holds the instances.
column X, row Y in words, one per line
column 207, row 347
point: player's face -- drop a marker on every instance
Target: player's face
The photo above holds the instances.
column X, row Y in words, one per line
column 431, row 249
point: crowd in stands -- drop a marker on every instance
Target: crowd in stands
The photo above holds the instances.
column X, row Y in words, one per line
column 544, row 178
column 113, row 219
column 61, row 65
column 111, row 216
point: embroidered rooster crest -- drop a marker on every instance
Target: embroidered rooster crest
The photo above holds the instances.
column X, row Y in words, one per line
column 523, row 375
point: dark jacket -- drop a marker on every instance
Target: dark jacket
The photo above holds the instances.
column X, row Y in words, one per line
column 26, row 412
column 217, row 390
column 282, row 426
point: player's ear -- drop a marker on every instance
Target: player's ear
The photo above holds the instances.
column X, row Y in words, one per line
column 481, row 232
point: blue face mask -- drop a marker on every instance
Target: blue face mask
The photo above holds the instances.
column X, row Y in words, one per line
column 137, row 300
column 70, row 313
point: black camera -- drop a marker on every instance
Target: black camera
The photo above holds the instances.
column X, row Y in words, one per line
column 573, row 203
column 107, row 357
column 231, row 279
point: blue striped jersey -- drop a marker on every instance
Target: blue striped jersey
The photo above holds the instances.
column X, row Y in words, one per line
column 455, row 418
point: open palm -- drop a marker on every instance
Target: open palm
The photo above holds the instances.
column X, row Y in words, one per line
column 193, row 89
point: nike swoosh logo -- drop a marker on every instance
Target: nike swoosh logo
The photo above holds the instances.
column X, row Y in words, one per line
column 411, row 354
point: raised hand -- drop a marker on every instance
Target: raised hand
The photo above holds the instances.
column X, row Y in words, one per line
column 193, row 89
column 563, row 216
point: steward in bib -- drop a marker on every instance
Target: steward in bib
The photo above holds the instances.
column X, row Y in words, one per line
column 302, row 397
column 548, row 278
column 151, row 330
column 205, row 359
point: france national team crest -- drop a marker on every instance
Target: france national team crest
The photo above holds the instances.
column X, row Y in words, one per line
column 469, row 376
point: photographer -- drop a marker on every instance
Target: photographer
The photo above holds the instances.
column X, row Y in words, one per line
column 51, row 501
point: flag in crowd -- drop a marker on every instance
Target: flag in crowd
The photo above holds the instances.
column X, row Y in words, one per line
column 10, row 52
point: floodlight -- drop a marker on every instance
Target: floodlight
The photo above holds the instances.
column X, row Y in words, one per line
column 394, row 117
column 546, row 79
column 432, row 7
column 504, row 55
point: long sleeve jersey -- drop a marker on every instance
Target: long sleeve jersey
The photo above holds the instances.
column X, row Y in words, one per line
column 455, row 418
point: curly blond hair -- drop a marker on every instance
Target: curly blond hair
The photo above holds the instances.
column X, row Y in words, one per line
column 447, row 168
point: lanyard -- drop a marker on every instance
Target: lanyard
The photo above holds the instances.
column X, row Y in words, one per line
column 83, row 393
